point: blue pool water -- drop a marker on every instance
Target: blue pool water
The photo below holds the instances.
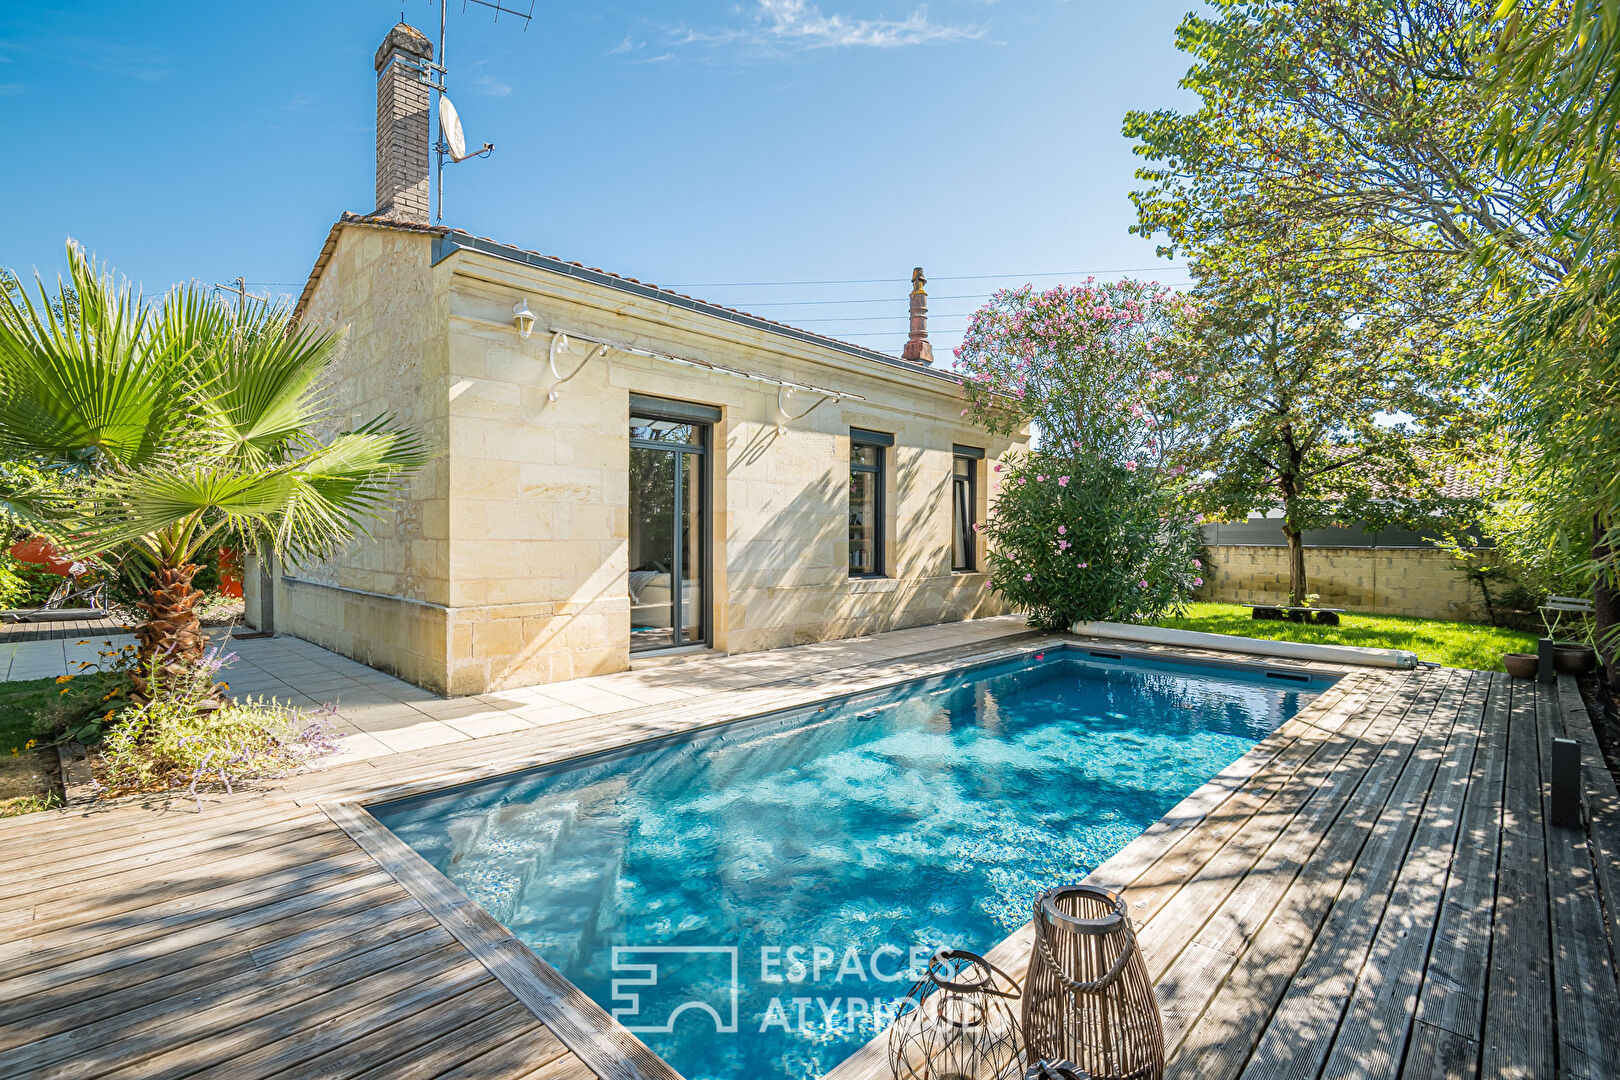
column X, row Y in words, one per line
column 778, row 876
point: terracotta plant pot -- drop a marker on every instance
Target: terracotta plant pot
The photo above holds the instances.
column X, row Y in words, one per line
column 1520, row 665
column 1572, row 658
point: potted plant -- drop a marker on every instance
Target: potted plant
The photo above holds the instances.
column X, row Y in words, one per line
column 1573, row 657
column 1520, row 665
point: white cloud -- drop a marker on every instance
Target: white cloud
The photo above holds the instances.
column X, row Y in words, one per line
column 788, row 25
column 622, row 47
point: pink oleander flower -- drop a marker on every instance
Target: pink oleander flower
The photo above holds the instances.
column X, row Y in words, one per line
column 1029, row 577
column 1130, row 466
column 1063, row 481
column 1142, row 584
column 1064, row 545
column 975, row 526
column 1192, row 378
column 1039, row 479
column 964, row 412
column 1198, row 581
column 1063, row 530
column 1023, row 479
column 998, row 467
column 1085, row 566
column 1198, row 564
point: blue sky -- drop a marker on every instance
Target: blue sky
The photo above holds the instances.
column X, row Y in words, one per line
column 717, row 147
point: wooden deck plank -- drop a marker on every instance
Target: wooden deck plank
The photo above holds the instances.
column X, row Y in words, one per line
column 1377, row 1020
column 58, row 910
column 1335, row 818
column 1602, row 803
column 1452, row 997
column 1288, row 984
column 1584, row 989
column 1518, row 1035
column 457, row 1046
column 338, row 1045
column 186, row 1037
column 260, row 955
column 61, row 955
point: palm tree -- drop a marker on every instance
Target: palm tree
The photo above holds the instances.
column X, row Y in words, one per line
column 184, row 425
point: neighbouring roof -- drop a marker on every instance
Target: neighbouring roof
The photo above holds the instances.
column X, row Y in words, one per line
column 448, row 240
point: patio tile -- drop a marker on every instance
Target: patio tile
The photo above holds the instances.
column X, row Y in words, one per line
column 588, row 697
column 418, row 736
column 493, row 722
column 551, row 712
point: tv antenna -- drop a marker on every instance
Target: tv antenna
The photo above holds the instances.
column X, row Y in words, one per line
column 452, row 142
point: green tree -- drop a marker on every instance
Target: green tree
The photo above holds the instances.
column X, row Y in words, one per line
column 181, row 425
column 1320, row 394
column 1469, row 137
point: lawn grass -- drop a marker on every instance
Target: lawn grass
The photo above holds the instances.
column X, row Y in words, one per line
column 1453, row 644
column 27, row 782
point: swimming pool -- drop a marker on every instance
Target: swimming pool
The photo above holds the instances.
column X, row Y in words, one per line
column 748, row 899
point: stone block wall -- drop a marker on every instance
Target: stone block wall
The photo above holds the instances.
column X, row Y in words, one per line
column 1424, row 582
column 383, row 599
column 539, row 493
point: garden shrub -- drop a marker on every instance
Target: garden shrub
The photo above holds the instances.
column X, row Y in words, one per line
column 188, row 734
column 1089, row 525
column 1079, row 539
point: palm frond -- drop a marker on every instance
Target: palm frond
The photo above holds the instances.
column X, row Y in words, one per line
column 87, row 380
column 260, row 382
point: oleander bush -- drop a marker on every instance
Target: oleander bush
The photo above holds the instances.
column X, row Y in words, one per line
column 1088, row 539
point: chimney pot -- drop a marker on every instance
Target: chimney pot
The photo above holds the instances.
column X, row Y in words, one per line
column 402, row 125
column 918, row 350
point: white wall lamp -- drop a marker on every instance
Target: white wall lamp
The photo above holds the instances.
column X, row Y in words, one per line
column 523, row 318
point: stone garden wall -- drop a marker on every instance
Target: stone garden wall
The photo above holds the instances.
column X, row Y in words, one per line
column 1419, row 581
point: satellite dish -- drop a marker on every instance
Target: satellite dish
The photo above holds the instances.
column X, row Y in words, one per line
column 450, row 129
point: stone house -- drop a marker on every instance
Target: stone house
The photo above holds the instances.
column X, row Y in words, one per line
column 620, row 470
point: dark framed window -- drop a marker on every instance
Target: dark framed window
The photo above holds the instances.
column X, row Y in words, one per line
column 866, row 495
column 670, row 523
column 964, row 510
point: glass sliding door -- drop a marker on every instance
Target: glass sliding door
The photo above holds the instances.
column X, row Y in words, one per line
column 669, row 529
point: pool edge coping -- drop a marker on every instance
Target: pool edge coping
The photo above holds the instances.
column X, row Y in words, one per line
column 609, row 1048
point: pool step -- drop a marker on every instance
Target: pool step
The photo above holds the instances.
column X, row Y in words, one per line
column 497, row 851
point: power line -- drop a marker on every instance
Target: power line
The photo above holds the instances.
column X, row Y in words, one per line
column 887, row 280
column 893, row 299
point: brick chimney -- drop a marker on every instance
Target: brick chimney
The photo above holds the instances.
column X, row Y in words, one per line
column 402, row 125
column 917, row 349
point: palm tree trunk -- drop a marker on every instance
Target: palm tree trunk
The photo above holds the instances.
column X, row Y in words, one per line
column 171, row 640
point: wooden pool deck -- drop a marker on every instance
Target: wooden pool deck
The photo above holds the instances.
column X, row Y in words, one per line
column 1373, row 891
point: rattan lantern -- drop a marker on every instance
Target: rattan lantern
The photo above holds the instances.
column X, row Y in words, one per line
column 1087, row 998
column 958, row 1023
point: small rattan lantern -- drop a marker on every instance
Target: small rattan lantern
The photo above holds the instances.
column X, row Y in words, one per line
column 1087, row 998
column 958, row 1023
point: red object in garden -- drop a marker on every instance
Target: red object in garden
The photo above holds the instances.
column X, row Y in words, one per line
column 42, row 553
column 230, row 573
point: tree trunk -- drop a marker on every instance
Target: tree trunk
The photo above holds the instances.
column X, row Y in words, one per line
column 1296, row 566
column 171, row 641
column 1606, row 604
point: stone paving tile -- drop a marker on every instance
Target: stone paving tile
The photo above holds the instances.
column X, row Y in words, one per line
column 376, row 714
